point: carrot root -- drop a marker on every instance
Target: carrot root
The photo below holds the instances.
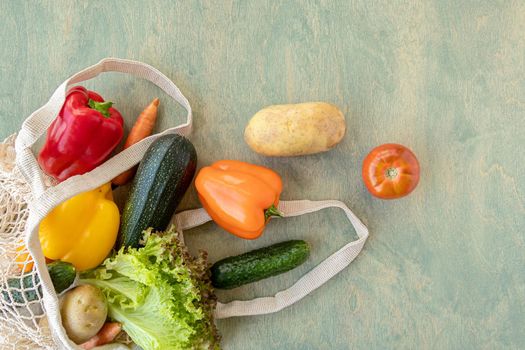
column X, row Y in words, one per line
column 106, row 335
column 142, row 128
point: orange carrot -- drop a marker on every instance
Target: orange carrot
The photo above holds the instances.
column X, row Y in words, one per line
column 107, row 334
column 142, row 128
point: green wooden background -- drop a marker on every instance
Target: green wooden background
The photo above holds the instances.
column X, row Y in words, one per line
column 445, row 267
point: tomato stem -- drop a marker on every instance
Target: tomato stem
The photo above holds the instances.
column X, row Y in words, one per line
column 391, row 173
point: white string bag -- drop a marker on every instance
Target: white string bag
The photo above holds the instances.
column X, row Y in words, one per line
column 29, row 310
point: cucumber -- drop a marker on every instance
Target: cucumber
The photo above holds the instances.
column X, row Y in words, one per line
column 22, row 289
column 62, row 275
column 258, row 264
column 162, row 178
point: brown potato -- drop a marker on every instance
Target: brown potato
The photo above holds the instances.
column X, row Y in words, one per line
column 295, row 129
column 84, row 311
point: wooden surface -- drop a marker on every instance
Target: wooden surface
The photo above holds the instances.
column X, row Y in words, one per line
column 445, row 267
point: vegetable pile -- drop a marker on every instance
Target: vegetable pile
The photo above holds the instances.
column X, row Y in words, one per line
column 160, row 293
column 138, row 279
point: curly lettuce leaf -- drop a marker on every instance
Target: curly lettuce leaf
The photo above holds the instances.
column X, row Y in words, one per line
column 160, row 293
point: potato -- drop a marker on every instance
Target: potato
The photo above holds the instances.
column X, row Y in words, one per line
column 295, row 129
column 84, row 311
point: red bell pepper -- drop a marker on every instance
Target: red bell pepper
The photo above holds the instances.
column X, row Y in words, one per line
column 82, row 136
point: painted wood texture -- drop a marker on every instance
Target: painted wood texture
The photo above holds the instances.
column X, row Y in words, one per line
column 443, row 268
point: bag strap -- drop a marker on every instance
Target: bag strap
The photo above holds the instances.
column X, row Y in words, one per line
column 306, row 284
column 39, row 121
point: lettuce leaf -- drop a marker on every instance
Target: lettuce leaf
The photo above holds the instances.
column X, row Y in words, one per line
column 160, row 293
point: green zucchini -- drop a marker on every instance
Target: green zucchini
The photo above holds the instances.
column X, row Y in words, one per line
column 258, row 264
column 22, row 289
column 162, row 178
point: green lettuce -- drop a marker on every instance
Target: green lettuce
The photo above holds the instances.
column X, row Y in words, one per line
column 160, row 293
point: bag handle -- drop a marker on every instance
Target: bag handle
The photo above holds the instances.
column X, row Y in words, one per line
column 306, row 284
column 40, row 120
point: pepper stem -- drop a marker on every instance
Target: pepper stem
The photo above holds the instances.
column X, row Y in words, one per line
column 102, row 107
column 272, row 211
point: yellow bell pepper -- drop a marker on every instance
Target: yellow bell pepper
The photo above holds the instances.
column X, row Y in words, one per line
column 82, row 230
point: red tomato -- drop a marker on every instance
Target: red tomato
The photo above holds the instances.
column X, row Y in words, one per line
column 390, row 171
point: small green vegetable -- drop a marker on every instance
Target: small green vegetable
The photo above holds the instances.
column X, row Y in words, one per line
column 22, row 289
column 62, row 275
column 259, row 264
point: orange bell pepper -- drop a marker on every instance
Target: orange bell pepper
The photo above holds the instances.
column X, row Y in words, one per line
column 240, row 197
